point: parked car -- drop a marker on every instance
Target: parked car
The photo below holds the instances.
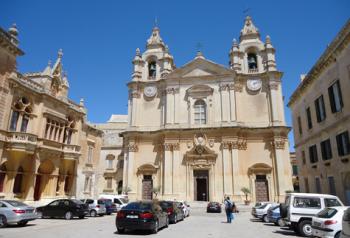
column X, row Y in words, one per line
column 120, row 202
column 345, row 233
column 259, row 204
column 214, row 207
column 328, row 222
column 299, row 208
column 110, row 206
column 96, row 207
column 274, row 216
column 142, row 215
column 66, row 208
column 185, row 207
column 261, row 212
column 175, row 214
column 15, row 212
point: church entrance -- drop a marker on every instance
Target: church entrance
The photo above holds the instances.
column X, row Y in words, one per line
column 201, row 185
column 261, row 188
column 147, row 187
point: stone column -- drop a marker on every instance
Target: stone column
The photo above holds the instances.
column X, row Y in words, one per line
column 125, row 169
column 227, row 172
column 232, row 103
column 236, row 175
column 176, row 105
column 212, row 183
column 168, row 170
column 135, row 94
column 131, row 178
column 252, row 178
column 278, row 146
column 274, row 101
column 169, row 105
column 225, row 104
column 176, row 169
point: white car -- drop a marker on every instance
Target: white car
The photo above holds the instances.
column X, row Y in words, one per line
column 328, row 222
column 346, row 224
column 299, row 208
column 185, row 207
column 261, row 211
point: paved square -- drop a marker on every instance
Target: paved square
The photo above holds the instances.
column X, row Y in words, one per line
column 199, row 224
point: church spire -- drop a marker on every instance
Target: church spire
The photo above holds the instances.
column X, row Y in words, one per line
column 155, row 41
column 249, row 31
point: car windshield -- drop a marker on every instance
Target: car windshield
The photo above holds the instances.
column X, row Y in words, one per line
column 138, row 206
column 331, row 202
column 263, row 206
column 287, row 201
column 123, row 200
column 16, row 203
column 77, row 201
column 327, row 213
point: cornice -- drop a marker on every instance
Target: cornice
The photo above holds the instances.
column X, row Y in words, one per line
column 328, row 57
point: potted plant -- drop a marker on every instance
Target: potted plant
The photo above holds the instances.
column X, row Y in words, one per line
column 246, row 191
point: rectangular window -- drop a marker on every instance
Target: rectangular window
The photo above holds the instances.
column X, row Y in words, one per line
column 295, row 170
column 313, row 154
column 14, row 120
column 25, row 120
column 320, row 109
column 300, row 126
column 331, row 184
column 343, row 143
column 318, row 185
column 335, row 97
column 307, row 202
column 90, row 152
column 309, row 119
column 303, row 157
column 306, row 182
column 326, row 149
column 110, row 164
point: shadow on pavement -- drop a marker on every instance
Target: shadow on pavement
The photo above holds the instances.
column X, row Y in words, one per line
column 17, row 226
column 285, row 232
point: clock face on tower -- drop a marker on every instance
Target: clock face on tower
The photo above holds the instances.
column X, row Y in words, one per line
column 254, row 84
column 150, row 91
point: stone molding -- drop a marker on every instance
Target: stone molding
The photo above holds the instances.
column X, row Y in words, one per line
column 172, row 90
column 169, row 146
column 135, row 94
column 273, row 85
column 133, row 148
column 278, row 143
column 240, row 144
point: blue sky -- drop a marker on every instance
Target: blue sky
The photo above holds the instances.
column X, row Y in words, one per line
column 99, row 38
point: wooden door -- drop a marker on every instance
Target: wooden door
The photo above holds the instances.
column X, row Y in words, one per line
column 261, row 188
column 147, row 186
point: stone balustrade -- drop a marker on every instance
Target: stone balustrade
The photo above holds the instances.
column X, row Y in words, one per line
column 21, row 137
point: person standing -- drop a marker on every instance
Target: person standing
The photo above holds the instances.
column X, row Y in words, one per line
column 228, row 209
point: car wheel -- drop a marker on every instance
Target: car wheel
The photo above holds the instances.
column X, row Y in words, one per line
column 337, row 235
column 22, row 223
column 305, row 228
column 3, row 221
column 121, row 230
column 81, row 217
column 108, row 213
column 156, row 226
column 281, row 222
column 167, row 222
column 265, row 218
column 68, row 215
column 93, row 213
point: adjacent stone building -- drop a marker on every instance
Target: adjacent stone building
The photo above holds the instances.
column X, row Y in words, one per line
column 321, row 121
column 46, row 145
column 204, row 130
column 112, row 158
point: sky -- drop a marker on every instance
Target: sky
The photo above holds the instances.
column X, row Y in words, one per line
column 99, row 38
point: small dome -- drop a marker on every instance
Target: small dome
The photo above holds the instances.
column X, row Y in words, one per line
column 13, row 30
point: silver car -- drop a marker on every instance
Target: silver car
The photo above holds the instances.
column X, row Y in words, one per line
column 15, row 212
column 96, row 207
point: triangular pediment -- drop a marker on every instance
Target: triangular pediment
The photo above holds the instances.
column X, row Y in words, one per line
column 200, row 67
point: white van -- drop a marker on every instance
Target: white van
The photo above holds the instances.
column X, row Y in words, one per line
column 299, row 208
column 119, row 200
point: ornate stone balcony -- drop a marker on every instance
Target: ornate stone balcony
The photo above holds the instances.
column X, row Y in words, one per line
column 19, row 141
column 71, row 151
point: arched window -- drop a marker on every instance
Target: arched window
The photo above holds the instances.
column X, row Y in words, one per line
column 21, row 109
column 200, row 112
column 17, row 187
column 2, row 176
column 152, row 69
column 252, row 61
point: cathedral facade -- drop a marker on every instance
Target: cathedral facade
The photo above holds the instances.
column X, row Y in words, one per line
column 204, row 130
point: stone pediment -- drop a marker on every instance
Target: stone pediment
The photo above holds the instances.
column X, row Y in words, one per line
column 200, row 67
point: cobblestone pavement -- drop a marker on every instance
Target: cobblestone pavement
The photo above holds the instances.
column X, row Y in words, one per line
column 199, row 224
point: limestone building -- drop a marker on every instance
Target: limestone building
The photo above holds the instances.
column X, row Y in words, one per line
column 46, row 145
column 111, row 164
column 321, row 111
column 204, row 130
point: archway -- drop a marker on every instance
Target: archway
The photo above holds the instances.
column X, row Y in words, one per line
column 43, row 179
column 3, row 171
column 17, row 187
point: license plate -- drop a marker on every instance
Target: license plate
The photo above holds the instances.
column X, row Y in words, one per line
column 29, row 211
column 317, row 224
column 132, row 216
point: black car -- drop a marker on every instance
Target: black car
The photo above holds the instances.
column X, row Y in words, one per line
column 141, row 215
column 66, row 208
column 175, row 213
column 214, row 207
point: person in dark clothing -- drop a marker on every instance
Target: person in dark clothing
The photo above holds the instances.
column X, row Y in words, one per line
column 229, row 209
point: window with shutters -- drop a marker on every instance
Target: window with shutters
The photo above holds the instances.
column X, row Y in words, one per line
column 300, row 128
column 313, row 154
column 343, row 143
column 320, row 109
column 308, row 117
column 326, row 149
column 335, row 97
